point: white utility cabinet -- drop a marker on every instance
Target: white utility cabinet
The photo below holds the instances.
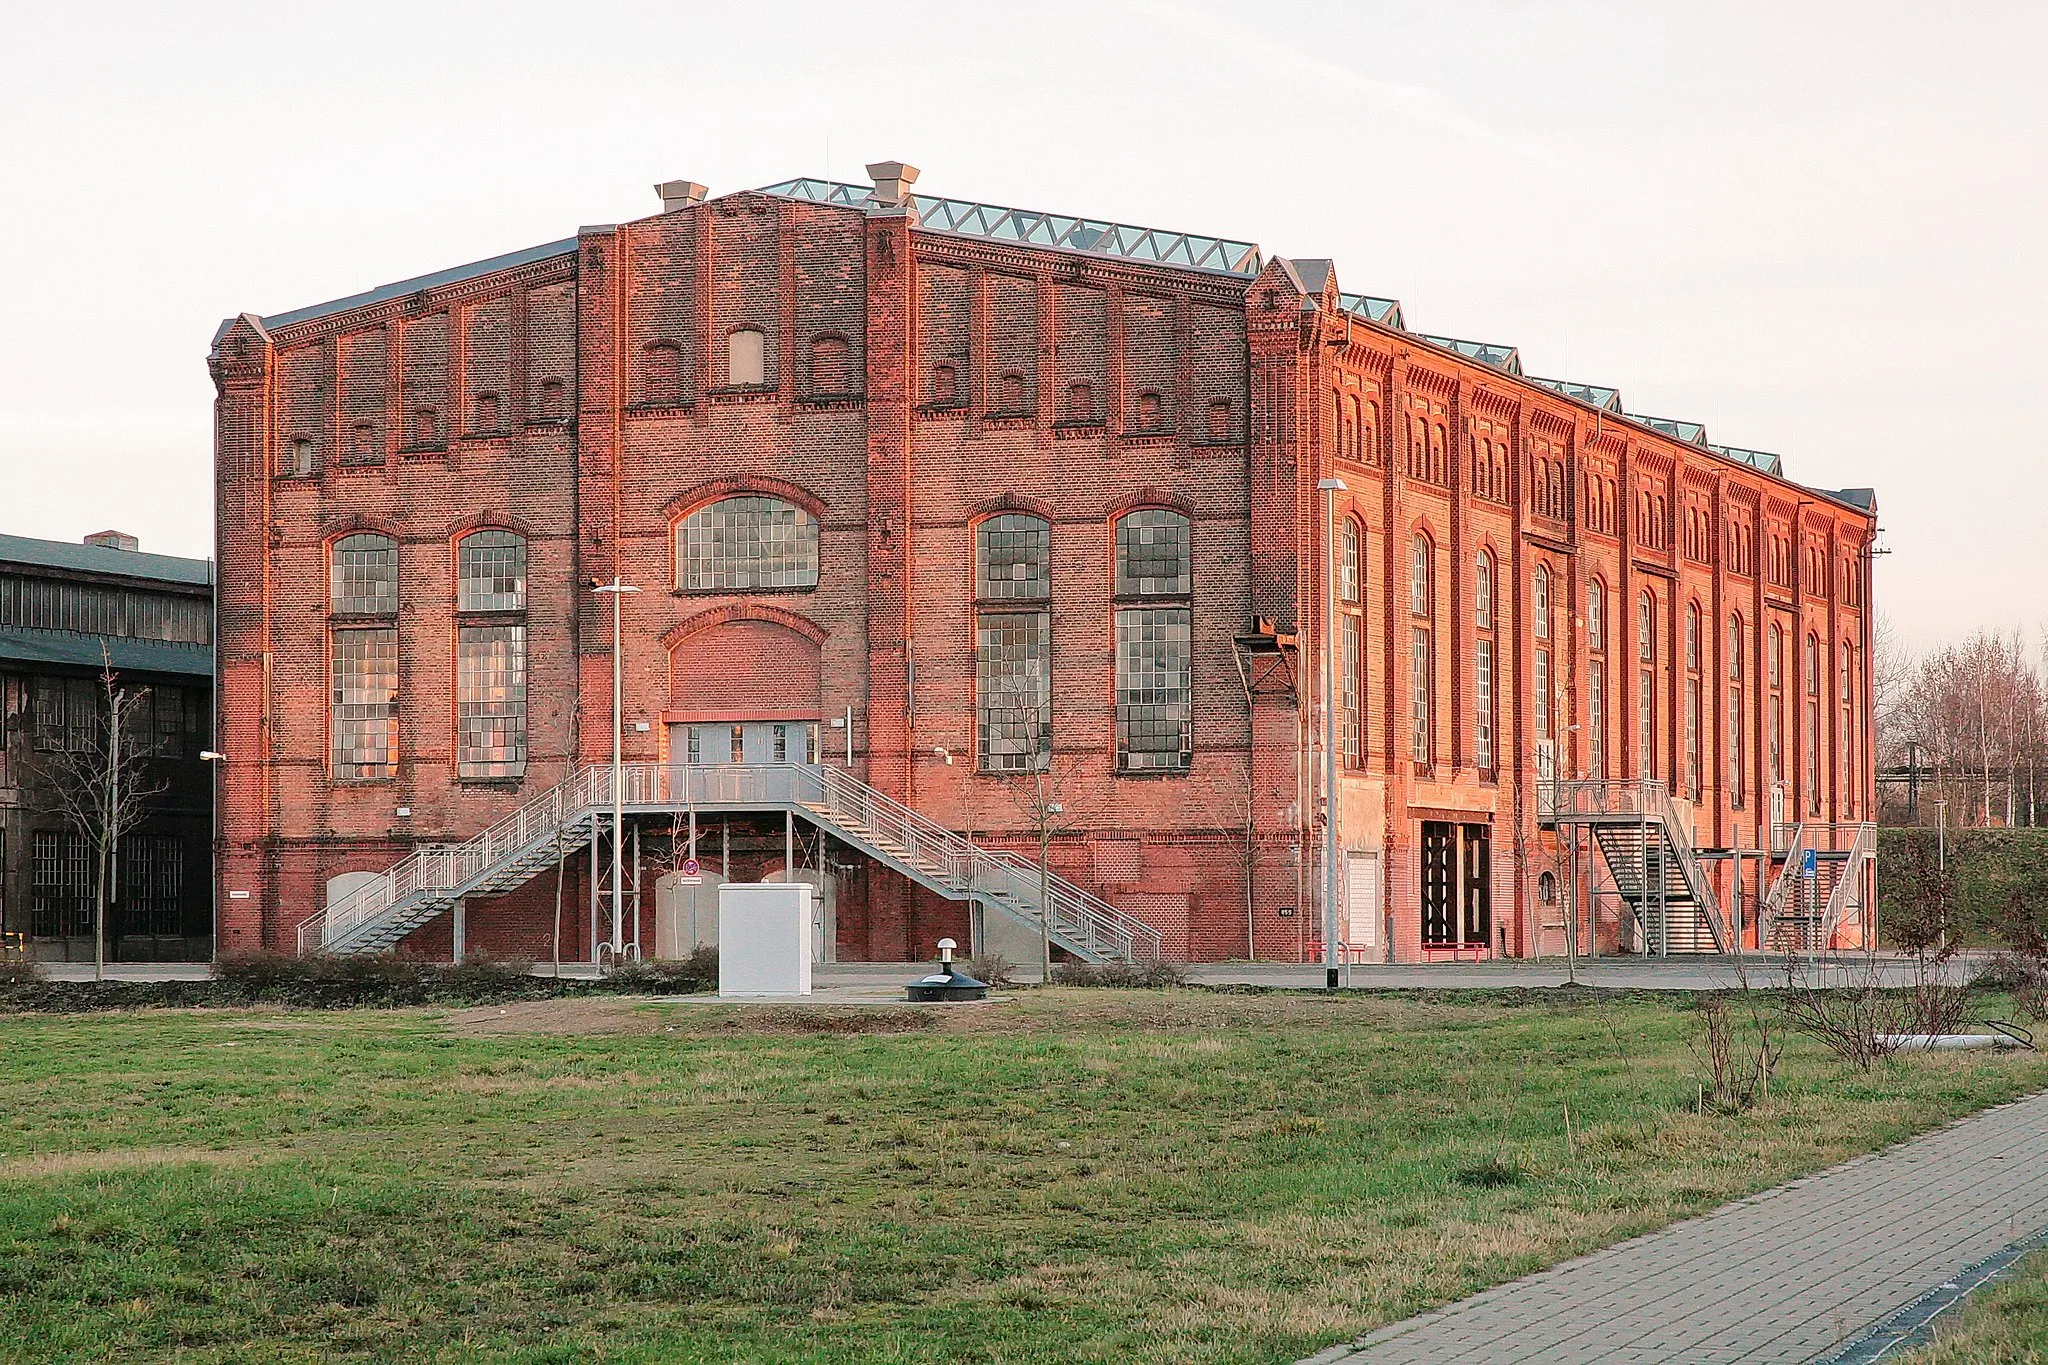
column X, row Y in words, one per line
column 764, row 939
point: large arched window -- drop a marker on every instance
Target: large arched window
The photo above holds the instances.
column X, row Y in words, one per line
column 1351, row 637
column 490, row 655
column 1421, row 649
column 1738, row 769
column 362, row 575
column 362, row 595
column 491, row 572
column 1154, row 642
column 747, row 543
column 1483, row 660
column 1013, row 643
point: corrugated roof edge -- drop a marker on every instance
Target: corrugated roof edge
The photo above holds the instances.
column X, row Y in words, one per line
column 62, row 554
column 400, row 288
column 25, row 646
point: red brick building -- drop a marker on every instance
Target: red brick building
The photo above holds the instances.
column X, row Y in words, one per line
column 935, row 495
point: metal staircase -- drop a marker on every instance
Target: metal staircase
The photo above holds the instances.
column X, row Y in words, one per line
column 430, row 880
column 1799, row 918
column 1649, row 859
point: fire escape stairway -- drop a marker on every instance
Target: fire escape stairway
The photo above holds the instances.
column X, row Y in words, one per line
column 428, row 882
column 1803, row 919
column 1649, row 859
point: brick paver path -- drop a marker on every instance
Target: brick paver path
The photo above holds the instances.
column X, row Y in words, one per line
column 1783, row 1276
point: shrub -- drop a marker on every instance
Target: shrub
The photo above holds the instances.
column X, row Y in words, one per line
column 1151, row 974
column 18, row 970
column 1734, row 1062
column 697, row 972
column 998, row 971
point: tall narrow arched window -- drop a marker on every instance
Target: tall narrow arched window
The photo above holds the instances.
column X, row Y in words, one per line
column 490, row 655
column 745, row 543
column 1814, row 691
column 746, row 358
column 1351, row 637
column 1539, row 602
column 1154, row 642
column 1694, row 700
column 362, row 595
column 1369, row 435
column 1845, row 736
column 1646, row 686
column 1596, row 678
column 1421, row 650
column 1738, row 768
column 1013, row 642
column 1774, row 666
column 1483, row 661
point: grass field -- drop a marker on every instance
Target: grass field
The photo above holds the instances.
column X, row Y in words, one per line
column 2006, row 1324
column 1075, row 1175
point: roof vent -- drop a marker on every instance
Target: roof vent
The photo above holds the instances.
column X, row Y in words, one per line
column 892, row 180
column 679, row 194
column 114, row 540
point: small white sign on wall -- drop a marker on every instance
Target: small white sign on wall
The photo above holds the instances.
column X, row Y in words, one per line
column 764, row 939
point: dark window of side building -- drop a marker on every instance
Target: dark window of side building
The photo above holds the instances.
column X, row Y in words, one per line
column 1154, row 642
column 744, row 543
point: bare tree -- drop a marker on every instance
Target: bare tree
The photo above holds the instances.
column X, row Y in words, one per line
column 100, row 786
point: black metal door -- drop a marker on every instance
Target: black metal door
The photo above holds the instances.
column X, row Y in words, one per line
column 1478, row 885
column 1439, row 892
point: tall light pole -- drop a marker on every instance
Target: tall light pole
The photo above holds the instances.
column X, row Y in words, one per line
column 1330, row 488
column 617, row 589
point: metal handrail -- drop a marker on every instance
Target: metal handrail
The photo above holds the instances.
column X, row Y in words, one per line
column 1848, row 882
column 441, row 872
column 1649, row 800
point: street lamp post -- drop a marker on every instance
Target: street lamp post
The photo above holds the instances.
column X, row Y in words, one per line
column 1330, row 488
column 617, row 589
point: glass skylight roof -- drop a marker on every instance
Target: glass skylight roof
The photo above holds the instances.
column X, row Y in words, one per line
column 1691, row 432
column 1755, row 459
column 1031, row 228
column 1504, row 358
column 1609, row 399
column 1387, row 312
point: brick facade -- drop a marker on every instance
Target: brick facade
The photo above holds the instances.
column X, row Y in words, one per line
column 913, row 382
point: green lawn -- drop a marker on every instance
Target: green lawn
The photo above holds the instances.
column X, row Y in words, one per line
column 1076, row 1175
column 2006, row 1324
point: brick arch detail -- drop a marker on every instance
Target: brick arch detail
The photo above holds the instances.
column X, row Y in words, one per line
column 763, row 485
column 746, row 663
column 1164, row 499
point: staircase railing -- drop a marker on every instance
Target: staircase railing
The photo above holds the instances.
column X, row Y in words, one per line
column 1588, row 800
column 439, row 873
column 1848, row 887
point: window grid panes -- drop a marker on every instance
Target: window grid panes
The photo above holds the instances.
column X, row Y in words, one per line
column 363, row 575
column 1482, row 592
column 1348, row 563
column 1596, row 616
column 1596, row 717
column 1015, row 555
column 1353, row 719
column 152, row 884
column 62, row 887
column 1646, row 724
column 490, row 701
column 365, row 703
column 491, row 572
column 1419, row 698
column 1539, row 605
column 1735, row 764
column 1692, row 736
column 747, row 543
column 1418, row 576
column 1013, row 690
column 1542, row 694
column 1482, row 702
column 1154, row 714
column 1152, row 554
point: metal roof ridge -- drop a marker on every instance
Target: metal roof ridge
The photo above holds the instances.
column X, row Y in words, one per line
column 399, row 288
column 141, row 564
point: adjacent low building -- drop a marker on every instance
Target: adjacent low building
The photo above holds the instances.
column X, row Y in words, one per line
column 68, row 615
column 950, row 526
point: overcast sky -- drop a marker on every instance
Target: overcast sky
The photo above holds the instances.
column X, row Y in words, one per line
column 1816, row 228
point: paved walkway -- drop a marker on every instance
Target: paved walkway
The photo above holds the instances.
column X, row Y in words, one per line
column 1784, row 1276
